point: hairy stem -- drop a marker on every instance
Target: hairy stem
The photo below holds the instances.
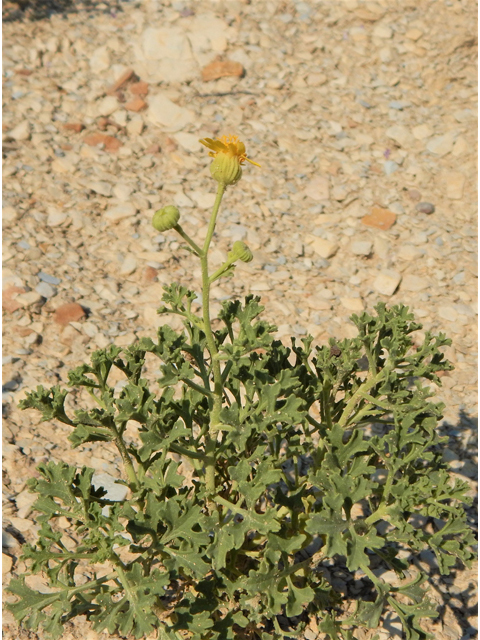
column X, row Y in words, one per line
column 187, row 238
column 217, row 375
column 127, row 461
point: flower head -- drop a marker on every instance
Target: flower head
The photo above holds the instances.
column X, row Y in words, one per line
column 166, row 218
column 240, row 251
column 229, row 153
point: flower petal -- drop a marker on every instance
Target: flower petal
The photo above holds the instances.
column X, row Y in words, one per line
column 215, row 145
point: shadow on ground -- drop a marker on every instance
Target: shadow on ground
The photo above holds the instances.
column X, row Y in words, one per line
column 32, row 10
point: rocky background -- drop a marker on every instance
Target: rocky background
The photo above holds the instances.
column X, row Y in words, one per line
column 363, row 117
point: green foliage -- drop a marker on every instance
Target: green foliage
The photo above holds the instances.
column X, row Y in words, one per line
column 321, row 454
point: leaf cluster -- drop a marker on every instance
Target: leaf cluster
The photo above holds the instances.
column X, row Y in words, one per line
column 325, row 453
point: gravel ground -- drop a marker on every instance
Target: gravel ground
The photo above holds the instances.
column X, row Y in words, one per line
column 363, row 117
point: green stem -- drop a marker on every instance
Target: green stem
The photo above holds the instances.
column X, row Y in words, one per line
column 183, row 451
column 127, row 461
column 187, row 238
column 359, row 393
column 210, row 444
column 221, row 270
column 197, row 387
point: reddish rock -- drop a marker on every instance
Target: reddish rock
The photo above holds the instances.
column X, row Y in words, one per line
column 153, row 148
column 221, row 69
column 23, row 72
column 8, row 303
column 111, row 143
column 170, row 144
column 76, row 127
column 380, row 218
column 139, row 88
column 23, row 332
column 103, row 123
column 149, row 274
column 69, row 312
column 126, row 76
column 137, row 104
column 414, row 195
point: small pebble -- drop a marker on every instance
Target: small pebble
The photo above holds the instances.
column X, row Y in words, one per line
column 414, row 195
column 69, row 312
column 45, row 290
column 387, row 282
column 361, row 247
column 45, row 277
column 425, row 207
column 390, row 167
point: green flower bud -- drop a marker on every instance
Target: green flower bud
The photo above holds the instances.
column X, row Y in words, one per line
column 226, row 169
column 166, row 218
column 240, row 251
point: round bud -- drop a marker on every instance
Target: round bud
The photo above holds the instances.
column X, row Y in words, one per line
column 241, row 252
column 166, row 218
column 226, row 169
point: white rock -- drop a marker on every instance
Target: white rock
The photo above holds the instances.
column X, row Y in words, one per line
column 324, row 248
column 101, row 187
column 45, row 290
column 422, row 131
column 21, row 131
column 447, row 312
column 355, row 209
column 400, row 134
column 168, row 55
column 414, row 283
column 318, row 188
column 410, row 252
column 122, row 191
column 115, row 491
column 208, row 33
column 120, row 212
column 339, row 192
column 135, row 126
column 24, row 502
column 28, row 298
column 128, row 266
column 120, row 117
column 56, row 218
column 318, row 304
column 382, row 31
column 352, row 304
column 261, row 285
column 7, row 563
column 361, row 247
column 387, row 282
column 188, row 141
column 100, row 60
column 454, row 182
column 168, row 115
column 9, row 214
column 21, row 524
column 107, row 106
column 464, row 115
column 460, row 147
column 182, row 200
column 202, row 200
column 382, row 247
column 441, row 145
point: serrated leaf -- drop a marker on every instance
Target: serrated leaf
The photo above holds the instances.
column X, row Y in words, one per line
column 297, row 598
column 134, row 612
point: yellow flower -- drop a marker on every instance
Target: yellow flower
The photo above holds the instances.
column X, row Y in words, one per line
column 229, row 153
column 229, row 145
